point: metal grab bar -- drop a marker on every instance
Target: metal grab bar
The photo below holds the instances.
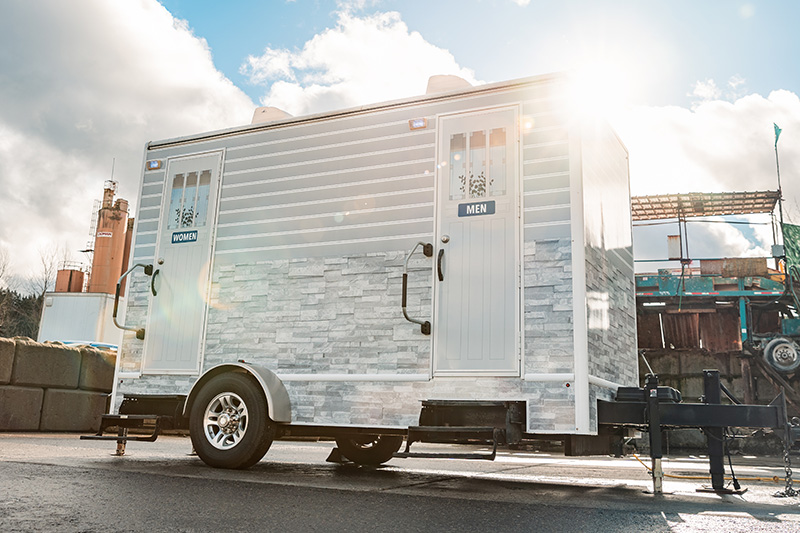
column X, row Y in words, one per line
column 153, row 282
column 148, row 270
column 427, row 250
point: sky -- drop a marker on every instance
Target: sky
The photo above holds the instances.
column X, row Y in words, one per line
column 692, row 88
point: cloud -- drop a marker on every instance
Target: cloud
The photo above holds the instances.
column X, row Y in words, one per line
column 361, row 60
column 717, row 146
column 707, row 91
column 81, row 84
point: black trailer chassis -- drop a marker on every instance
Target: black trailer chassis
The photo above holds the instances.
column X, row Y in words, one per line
column 651, row 409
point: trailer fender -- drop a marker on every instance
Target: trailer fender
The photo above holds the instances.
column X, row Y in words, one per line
column 279, row 406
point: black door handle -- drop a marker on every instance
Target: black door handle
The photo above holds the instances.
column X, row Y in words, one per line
column 153, row 282
column 439, row 264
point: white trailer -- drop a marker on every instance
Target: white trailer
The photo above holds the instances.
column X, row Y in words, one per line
column 284, row 258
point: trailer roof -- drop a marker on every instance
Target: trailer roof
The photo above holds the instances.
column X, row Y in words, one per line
column 251, row 128
column 699, row 204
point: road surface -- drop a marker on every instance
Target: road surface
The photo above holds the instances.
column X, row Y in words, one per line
column 56, row 482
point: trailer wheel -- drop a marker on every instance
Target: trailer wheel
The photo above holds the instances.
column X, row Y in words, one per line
column 228, row 423
column 369, row 449
column 782, row 354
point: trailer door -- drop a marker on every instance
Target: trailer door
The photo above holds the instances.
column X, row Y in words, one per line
column 476, row 325
column 180, row 281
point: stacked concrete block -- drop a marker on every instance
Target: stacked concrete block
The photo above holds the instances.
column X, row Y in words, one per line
column 6, row 360
column 52, row 387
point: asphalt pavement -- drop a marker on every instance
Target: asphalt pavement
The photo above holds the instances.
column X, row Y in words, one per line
column 56, row 482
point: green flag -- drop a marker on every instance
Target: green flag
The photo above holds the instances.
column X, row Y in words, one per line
column 791, row 244
column 777, row 133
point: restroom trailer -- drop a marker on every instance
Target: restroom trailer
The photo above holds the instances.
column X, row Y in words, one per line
column 453, row 267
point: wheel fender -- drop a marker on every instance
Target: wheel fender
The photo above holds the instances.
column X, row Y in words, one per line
column 279, row 406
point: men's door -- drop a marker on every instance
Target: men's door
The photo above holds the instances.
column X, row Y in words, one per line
column 180, row 280
column 477, row 297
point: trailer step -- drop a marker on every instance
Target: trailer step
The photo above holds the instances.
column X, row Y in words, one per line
column 452, row 435
column 123, row 423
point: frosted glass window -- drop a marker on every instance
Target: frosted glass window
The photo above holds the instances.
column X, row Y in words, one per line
column 497, row 162
column 188, row 203
column 477, row 164
column 203, row 190
column 458, row 166
column 189, row 199
column 176, row 202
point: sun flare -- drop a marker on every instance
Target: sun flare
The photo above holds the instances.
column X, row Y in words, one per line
column 600, row 88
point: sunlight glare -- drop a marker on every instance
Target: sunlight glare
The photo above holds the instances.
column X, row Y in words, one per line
column 599, row 88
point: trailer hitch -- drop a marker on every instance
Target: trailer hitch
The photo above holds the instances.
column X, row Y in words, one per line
column 148, row 270
column 427, row 250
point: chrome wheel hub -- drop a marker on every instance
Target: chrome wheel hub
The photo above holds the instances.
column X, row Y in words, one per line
column 225, row 420
column 785, row 354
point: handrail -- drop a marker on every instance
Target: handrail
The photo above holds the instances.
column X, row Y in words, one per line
column 148, row 270
column 427, row 250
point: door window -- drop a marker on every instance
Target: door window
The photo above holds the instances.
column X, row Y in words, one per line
column 471, row 175
column 188, row 205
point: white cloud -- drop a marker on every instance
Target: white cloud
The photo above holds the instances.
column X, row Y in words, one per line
column 707, row 91
column 361, row 60
column 89, row 82
column 717, row 146
column 521, row 3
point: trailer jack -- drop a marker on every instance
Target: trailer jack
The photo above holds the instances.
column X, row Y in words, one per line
column 658, row 408
column 123, row 423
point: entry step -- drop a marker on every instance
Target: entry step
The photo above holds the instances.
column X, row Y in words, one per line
column 452, row 435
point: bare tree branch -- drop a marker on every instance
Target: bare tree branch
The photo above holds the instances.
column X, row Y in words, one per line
column 5, row 267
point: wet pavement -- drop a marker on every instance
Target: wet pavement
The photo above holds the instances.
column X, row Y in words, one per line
column 56, row 482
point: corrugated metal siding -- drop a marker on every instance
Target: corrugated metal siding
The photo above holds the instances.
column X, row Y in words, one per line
column 681, row 330
column 720, row 331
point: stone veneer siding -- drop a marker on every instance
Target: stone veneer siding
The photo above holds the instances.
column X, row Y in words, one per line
column 342, row 315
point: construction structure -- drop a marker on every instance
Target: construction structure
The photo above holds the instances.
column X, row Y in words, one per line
column 111, row 242
column 734, row 308
column 81, row 306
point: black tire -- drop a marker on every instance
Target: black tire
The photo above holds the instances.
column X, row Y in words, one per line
column 240, row 439
column 782, row 354
column 370, row 450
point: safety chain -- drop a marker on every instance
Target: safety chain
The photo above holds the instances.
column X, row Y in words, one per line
column 789, row 491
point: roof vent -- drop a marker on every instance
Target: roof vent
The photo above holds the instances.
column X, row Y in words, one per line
column 268, row 114
column 443, row 83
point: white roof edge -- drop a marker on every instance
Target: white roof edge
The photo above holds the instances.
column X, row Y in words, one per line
column 249, row 128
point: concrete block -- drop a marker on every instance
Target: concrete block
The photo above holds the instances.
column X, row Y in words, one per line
column 20, row 408
column 97, row 369
column 693, row 363
column 663, row 364
column 685, row 438
column 46, row 365
column 7, row 348
column 72, row 410
column 691, row 389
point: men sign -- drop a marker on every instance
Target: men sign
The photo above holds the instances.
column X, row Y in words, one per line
column 475, row 209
